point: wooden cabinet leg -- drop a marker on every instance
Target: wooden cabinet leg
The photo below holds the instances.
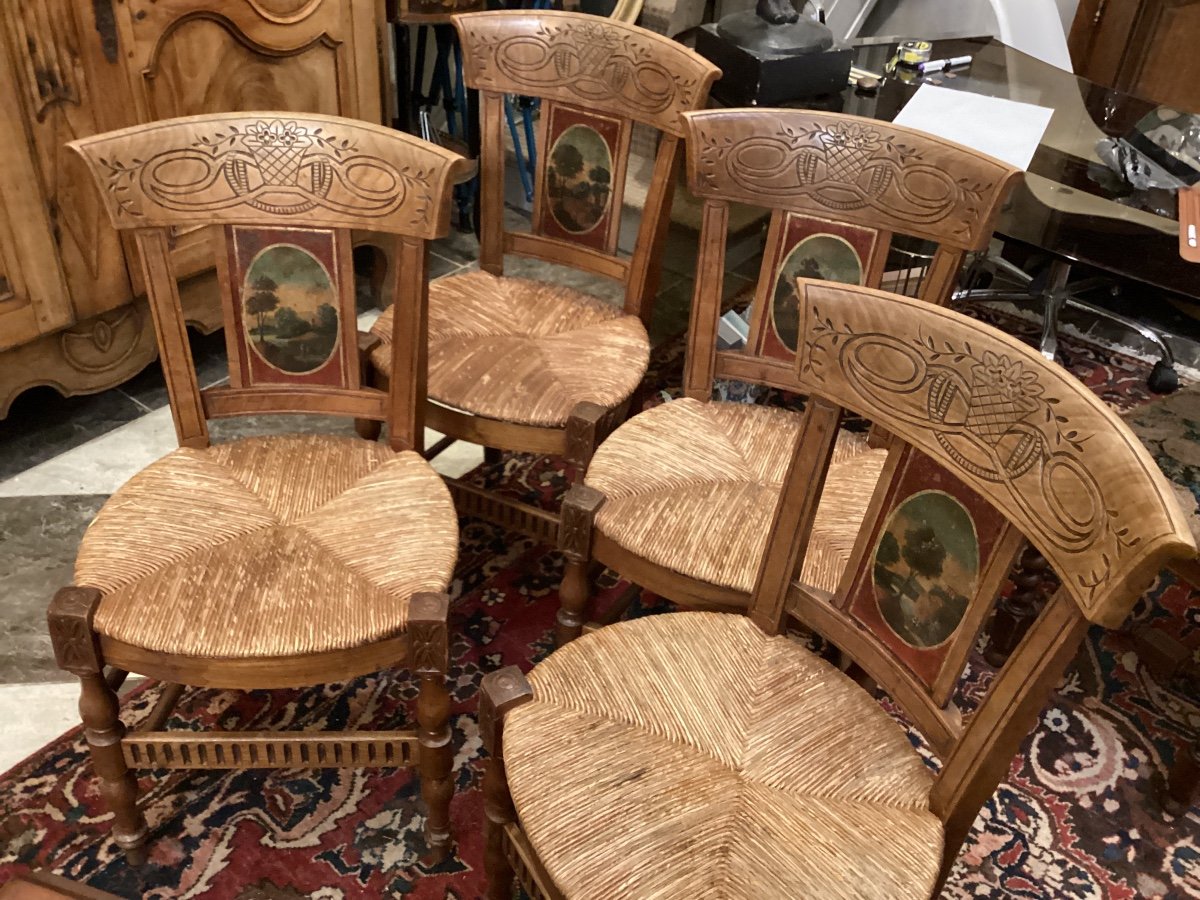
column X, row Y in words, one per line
column 1183, row 781
column 1017, row 612
column 500, row 692
column 430, row 654
column 77, row 650
column 575, row 540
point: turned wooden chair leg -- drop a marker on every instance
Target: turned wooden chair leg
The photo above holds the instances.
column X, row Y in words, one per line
column 429, row 652
column 575, row 540
column 77, row 650
column 500, row 692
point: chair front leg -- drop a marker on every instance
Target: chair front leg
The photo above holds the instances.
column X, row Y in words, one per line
column 575, row 540
column 429, row 652
column 500, row 692
column 77, row 650
column 585, row 431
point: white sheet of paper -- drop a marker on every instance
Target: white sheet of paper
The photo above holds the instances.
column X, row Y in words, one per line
column 1005, row 129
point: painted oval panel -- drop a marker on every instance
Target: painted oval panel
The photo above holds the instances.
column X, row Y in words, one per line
column 579, row 179
column 291, row 310
column 926, row 568
column 825, row 257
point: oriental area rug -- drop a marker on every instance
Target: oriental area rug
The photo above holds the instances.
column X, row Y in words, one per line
column 1076, row 817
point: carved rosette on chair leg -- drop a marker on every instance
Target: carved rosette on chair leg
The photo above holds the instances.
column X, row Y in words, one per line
column 575, row 541
column 499, row 692
column 430, row 658
column 584, row 433
column 1015, row 613
column 77, row 650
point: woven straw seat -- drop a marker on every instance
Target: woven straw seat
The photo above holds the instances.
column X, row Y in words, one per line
column 269, row 547
column 688, row 755
column 693, row 487
column 524, row 351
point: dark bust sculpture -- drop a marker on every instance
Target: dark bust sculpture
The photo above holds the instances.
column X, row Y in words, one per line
column 776, row 28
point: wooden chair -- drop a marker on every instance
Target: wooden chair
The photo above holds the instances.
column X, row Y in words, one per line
column 282, row 561
column 677, row 499
column 523, row 365
column 707, row 754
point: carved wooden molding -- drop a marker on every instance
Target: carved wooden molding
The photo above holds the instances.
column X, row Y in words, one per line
column 585, row 431
column 578, row 514
column 313, row 170
column 429, row 641
column 97, row 353
column 1021, row 431
column 76, row 646
column 40, row 30
column 870, row 173
column 597, row 63
column 529, row 520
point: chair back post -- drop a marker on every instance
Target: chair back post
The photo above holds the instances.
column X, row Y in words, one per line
column 285, row 191
column 645, row 266
column 701, row 359
column 410, row 346
column 170, row 331
column 491, row 181
column 795, row 514
column 981, row 757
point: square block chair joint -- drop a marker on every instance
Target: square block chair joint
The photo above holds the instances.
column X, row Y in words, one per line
column 677, row 499
column 689, row 749
column 279, row 561
column 524, row 365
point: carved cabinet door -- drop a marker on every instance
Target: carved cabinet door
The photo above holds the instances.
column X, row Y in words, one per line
column 187, row 57
column 33, row 290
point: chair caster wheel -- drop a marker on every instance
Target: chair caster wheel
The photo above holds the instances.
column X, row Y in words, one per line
column 1163, row 378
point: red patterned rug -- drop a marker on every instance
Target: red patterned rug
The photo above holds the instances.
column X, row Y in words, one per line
column 1076, row 818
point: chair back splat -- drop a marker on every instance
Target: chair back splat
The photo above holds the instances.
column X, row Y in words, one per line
column 993, row 445
column 595, row 78
column 851, row 200
column 284, row 191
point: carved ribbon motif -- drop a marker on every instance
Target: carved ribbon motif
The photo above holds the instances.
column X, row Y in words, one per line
column 991, row 416
column 842, row 166
column 592, row 61
column 281, row 168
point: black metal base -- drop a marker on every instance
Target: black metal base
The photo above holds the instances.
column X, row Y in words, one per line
column 751, row 79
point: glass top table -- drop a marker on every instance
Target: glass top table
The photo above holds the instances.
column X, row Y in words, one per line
column 1071, row 204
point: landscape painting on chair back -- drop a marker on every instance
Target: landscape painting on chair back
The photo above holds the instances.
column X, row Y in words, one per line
column 582, row 177
column 296, row 327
